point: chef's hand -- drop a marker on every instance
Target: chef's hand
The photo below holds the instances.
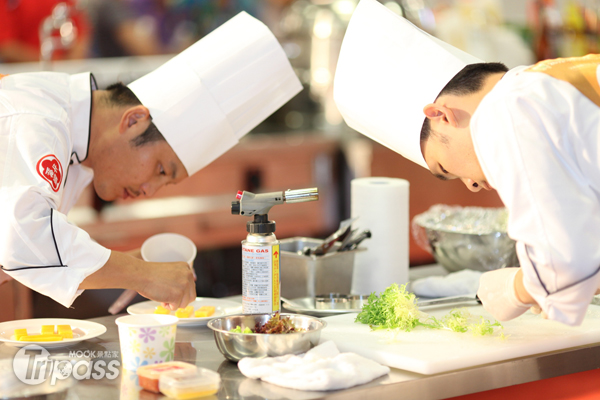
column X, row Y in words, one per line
column 498, row 296
column 170, row 283
column 137, row 253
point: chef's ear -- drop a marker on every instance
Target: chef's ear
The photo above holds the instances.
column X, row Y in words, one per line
column 132, row 116
column 431, row 111
column 443, row 114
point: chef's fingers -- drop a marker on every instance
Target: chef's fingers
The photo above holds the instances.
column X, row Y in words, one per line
column 193, row 271
column 536, row 309
column 189, row 295
column 192, row 291
column 544, row 315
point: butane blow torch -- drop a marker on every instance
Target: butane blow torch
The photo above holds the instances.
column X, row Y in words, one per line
column 261, row 282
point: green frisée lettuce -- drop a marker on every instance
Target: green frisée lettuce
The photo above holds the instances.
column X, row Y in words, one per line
column 461, row 320
column 395, row 308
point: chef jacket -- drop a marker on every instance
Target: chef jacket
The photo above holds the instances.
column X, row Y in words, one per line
column 44, row 137
column 537, row 137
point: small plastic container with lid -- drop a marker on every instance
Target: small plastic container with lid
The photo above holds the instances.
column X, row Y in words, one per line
column 188, row 384
column 148, row 375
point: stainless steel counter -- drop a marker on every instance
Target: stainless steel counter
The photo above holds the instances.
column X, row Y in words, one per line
column 196, row 345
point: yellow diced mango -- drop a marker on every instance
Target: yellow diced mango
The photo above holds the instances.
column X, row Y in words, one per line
column 66, row 334
column 41, row 338
column 19, row 333
column 204, row 311
column 47, row 329
column 189, row 310
column 65, row 331
column 161, row 310
column 201, row 314
column 209, row 309
column 181, row 313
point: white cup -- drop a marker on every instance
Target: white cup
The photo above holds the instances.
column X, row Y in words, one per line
column 169, row 247
column 146, row 339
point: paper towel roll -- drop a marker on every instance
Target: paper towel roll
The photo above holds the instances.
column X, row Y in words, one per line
column 382, row 206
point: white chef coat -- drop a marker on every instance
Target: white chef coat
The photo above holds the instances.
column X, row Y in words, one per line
column 537, row 138
column 44, row 136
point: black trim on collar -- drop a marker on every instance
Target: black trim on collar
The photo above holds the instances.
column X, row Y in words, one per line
column 55, row 246
column 93, row 86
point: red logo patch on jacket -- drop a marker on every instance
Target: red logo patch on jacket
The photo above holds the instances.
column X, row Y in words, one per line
column 51, row 171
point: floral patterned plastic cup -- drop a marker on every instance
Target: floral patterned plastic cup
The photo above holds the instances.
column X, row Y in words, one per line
column 146, row 339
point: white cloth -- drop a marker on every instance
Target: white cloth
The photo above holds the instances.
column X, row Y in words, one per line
column 454, row 284
column 537, row 140
column 45, row 117
column 321, row 368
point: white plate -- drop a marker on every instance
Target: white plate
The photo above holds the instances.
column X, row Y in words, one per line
column 222, row 307
column 306, row 305
column 82, row 330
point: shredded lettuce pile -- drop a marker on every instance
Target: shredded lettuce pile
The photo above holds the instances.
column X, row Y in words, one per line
column 395, row 308
column 461, row 320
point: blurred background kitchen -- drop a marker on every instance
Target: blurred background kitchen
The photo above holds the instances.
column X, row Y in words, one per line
column 304, row 144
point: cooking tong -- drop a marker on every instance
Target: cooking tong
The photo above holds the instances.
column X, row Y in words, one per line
column 349, row 239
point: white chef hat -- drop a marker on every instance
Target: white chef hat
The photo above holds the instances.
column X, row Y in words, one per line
column 388, row 70
column 207, row 97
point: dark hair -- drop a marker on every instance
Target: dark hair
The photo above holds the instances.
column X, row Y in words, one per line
column 120, row 95
column 467, row 81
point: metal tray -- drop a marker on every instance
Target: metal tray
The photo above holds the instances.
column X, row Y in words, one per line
column 306, row 305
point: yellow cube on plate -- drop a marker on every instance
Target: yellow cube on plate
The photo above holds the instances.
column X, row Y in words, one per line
column 204, row 311
column 47, row 329
column 181, row 313
column 19, row 333
column 161, row 310
column 65, row 331
column 209, row 309
column 41, row 338
column 201, row 314
column 189, row 310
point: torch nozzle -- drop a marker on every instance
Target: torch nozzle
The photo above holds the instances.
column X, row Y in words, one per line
column 300, row 195
column 249, row 204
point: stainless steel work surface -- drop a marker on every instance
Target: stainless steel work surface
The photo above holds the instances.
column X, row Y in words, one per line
column 196, row 345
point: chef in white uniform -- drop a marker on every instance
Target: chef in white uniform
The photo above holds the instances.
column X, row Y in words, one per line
column 531, row 133
column 58, row 134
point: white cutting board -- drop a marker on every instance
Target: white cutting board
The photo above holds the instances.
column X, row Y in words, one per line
column 431, row 351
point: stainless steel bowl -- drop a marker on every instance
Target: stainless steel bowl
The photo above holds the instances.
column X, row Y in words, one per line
column 236, row 346
column 466, row 237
